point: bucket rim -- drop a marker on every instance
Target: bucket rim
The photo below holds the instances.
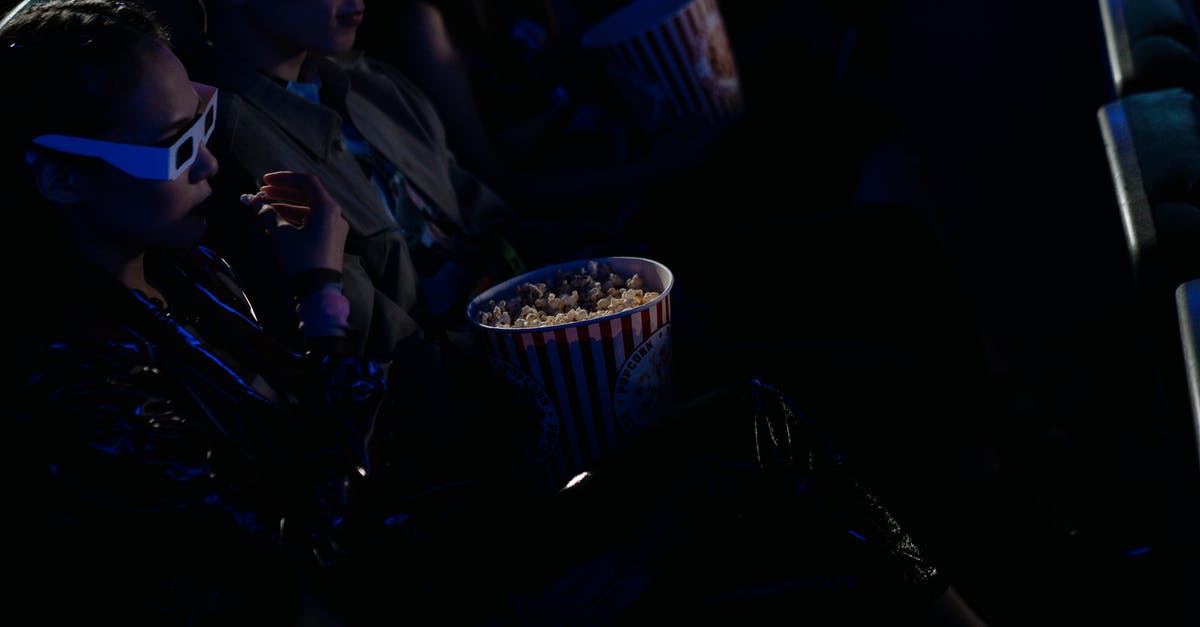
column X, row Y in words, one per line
column 510, row 285
column 619, row 26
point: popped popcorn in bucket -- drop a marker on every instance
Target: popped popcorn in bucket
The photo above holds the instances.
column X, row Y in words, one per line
column 592, row 291
column 588, row 344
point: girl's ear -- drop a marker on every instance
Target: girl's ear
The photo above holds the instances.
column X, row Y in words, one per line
column 55, row 180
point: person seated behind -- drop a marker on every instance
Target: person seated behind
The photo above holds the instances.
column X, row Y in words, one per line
column 525, row 110
column 235, row 480
column 425, row 233
column 381, row 148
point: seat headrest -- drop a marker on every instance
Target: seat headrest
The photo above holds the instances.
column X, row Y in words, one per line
column 10, row 13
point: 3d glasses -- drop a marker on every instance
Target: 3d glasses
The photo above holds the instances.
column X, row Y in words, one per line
column 146, row 162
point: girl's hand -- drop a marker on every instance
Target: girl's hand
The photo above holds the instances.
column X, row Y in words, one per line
column 303, row 219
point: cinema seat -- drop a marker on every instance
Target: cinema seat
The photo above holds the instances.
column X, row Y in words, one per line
column 1151, row 44
column 1152, row 140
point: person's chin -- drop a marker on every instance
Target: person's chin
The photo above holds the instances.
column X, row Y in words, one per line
column 191, row 230
column 341, row 40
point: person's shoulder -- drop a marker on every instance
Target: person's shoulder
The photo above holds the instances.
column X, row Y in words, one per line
column 360, row 63
column 369, row 73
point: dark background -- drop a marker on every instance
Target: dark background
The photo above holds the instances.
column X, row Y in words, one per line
column 948, row 224
column 919, row 206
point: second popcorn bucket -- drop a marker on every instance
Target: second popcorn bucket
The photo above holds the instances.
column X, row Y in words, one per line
column 596, row 382
column 672, row 61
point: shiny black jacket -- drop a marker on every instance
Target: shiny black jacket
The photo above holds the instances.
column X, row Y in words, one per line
column 175, row 466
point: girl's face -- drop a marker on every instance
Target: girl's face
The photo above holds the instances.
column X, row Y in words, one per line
column 139, row 213
column 326, row 27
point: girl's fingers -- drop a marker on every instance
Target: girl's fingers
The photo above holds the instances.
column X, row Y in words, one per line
column 307, row 182
column 271, row 220
column 296, row 214
column 286, row 194
column 291, row 212
column 279, row 215
column 286, row 178
column 305, row 189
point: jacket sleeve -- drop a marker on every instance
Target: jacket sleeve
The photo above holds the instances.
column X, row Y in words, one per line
column 122, row 463
column 117, row 471
column 330, row 396
column 114, row 434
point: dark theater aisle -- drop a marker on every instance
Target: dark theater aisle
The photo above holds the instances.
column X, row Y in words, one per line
column 928, row 178
column 997, row 103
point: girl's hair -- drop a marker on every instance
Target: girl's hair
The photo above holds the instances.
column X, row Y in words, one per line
column 68, row 63
column 68, row 68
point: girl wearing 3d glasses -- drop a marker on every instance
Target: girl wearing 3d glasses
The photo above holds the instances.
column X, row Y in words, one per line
column 170, row 464
column 168, row 460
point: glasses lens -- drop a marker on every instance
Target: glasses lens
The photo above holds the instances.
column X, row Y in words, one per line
column 184, row 153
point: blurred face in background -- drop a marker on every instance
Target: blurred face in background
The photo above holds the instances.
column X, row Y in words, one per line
column 327, row 27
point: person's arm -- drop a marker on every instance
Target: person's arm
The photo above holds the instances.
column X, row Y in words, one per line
column 153, row 455
column 429, row 57
column 117, row 437
column 308, row 230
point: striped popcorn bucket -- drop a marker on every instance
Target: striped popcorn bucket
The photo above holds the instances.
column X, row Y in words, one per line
column 672, row 61
column 595, row 383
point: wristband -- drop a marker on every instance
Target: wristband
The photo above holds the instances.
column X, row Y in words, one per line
column 314, row 280
column 323, row 312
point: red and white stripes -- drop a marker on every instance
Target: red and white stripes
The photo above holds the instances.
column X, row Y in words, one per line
column 581, row 368
column 600, row 382
column 690, row 57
